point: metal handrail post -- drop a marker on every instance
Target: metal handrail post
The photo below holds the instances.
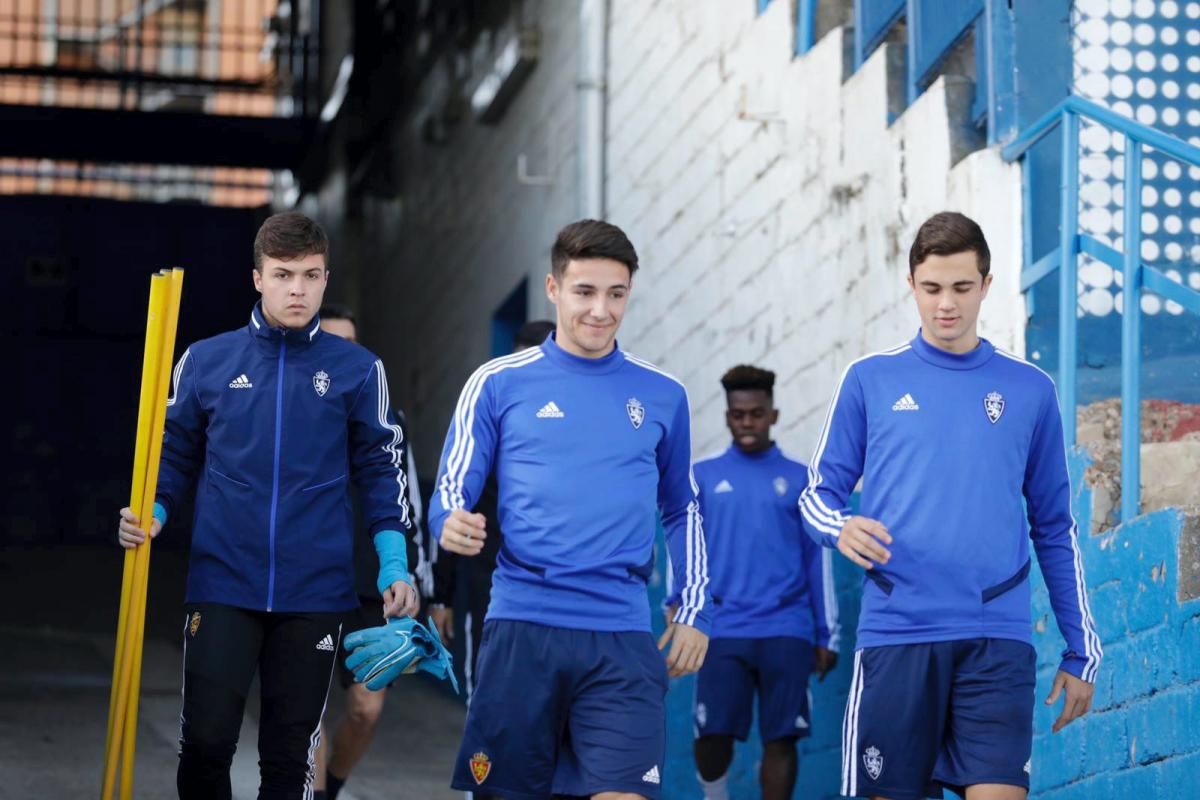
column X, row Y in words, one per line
column 1068, row 289
column 1131, row 315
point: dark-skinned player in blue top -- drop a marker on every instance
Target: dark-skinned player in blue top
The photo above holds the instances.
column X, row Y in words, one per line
column 959, row 446
column 774, row 609
column 589, row 444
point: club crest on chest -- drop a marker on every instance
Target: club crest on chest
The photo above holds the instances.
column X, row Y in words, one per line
column 993, row 404
column 636, row 412
column 321, row 382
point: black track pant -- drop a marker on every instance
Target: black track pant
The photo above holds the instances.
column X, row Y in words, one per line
column 294, row 655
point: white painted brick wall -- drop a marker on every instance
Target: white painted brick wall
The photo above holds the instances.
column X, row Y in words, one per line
column 770, row 202
column 438, row 261
column 773, row 206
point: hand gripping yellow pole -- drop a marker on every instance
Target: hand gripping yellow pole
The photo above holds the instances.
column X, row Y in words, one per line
column 165, row 292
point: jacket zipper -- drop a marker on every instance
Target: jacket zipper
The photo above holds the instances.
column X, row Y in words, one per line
column 275, row 479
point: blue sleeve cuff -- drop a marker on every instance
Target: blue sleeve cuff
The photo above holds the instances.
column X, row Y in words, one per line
column 701, row 622
column 393, row 560
column 160, row 514
column 1075, row 665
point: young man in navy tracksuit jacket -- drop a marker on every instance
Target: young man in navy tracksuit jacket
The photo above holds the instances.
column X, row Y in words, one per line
column 588, row 444
column 270, row 424
column 960, row 450
column 775, row 612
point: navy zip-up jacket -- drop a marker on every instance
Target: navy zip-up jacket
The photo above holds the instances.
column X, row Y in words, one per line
column 271, row 425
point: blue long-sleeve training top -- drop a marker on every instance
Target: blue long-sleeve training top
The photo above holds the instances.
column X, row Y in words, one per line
column 586, row 453
column 270, row 426
column 768, row 577
column 962, row 458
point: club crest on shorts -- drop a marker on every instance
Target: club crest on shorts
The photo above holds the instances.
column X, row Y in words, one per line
column 481, row 767
column 321, row 382
column 194, row 625
column 781, row 486
column 993, row 404
column 636, row 411
column 873, row 762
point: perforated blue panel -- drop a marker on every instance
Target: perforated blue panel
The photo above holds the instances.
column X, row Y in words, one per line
column 1141, row 59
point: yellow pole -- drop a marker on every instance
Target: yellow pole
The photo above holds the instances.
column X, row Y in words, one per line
column 142, row 564
column 150, row 377
column 140, row 448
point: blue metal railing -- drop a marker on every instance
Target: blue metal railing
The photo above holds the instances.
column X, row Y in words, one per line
column 873, row 19
column 934, row 28
column 1137, row 276
column 806, row 25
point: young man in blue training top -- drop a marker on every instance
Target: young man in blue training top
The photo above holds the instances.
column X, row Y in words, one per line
column 775, row 613
column 960, row 450
column 588, row 444
column 267, row 425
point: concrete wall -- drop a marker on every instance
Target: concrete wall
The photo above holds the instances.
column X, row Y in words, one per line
column 770, row 200
column 435, row 262
column 1141, row 738
column 773, row 206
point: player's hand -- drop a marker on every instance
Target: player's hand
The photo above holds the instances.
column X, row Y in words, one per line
column 464, row 532
column 862, row 540
column 1077, row 702
column 824, row 661
column 688, row 647
column 400, row 600
column 129, row 535
column 443, row 618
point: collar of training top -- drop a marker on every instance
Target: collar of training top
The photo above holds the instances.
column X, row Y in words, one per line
column 761, row 455
column 589, row 366
column 940, row 358
column 259, row 328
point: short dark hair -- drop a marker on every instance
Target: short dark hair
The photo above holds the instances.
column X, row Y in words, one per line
column 533, row 333
column 748, row 378
column 338, row 311
column 948, row 233
column 288, row 236
column 591, row 238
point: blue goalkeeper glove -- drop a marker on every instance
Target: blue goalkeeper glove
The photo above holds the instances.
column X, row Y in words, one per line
column 380, row 655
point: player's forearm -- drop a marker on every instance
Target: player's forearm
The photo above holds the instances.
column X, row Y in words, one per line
column 1062, row 569
column 823, row 516
column 694, row 598
column 173, row 484
column 393, row 558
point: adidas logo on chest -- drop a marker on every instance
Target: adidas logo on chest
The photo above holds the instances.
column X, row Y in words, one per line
column 550, row 411
column 906, row 403
column 241, row 382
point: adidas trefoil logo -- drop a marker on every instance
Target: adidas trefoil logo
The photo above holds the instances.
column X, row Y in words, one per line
column 326, row 643
column 723, row 487
column 551, row 411
column 905, row 403
column 651, row 776
column 241, row 382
